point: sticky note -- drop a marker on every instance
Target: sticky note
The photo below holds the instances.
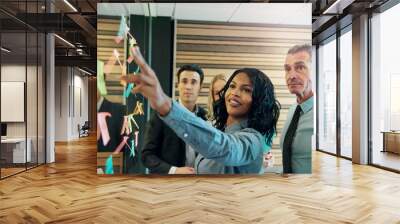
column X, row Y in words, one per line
column 100, row 171
column 109, row 165
column 132, row 44
column 125, row 127
column 129, row 124
column 101, row 84
column 138, row 109
column 121, row 145
column 101, row 119
column 116, row 54
column 110, row 64
column 128, row 89
column 132, row 148
column 122, row 30
column 136, row 138
column 133, row 120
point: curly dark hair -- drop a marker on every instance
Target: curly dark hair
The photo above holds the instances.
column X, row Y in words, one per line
column 264, row 111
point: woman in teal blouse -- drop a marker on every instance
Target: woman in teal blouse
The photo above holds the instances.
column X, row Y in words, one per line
column 246, row 117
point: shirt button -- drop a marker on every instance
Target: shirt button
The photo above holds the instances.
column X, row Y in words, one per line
column 185, row 135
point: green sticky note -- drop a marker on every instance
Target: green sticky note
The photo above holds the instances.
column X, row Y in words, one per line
column 127, row 90
column 101, row 84
column 109, row 165
column 132, row 148
column 131, row 45
column 122, row 27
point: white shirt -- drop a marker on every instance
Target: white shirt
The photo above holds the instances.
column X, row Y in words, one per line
column 190, row 154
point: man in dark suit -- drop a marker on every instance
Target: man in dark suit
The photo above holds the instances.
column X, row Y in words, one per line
column 164, row 152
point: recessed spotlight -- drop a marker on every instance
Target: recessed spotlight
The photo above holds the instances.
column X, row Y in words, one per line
column 5, row 50
column 70, row 5
column 64, row 40
column 84, row 71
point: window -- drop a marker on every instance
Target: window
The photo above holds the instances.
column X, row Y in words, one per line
column 385, row 86
column 327, row 96
column 22, row 68
column 346, row 93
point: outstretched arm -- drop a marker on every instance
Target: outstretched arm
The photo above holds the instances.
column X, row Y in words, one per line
column 236, row 149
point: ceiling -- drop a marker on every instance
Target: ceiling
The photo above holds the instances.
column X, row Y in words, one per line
column 79, row 27
column 332, row 15
column 277, row 13
column 73, row 20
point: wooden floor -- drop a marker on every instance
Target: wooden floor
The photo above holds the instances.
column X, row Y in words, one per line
column 69, row 191
column 387, row 159
column 10, row 171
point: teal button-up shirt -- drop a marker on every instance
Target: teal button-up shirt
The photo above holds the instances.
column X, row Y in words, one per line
column 239, row 149
column 301, row 146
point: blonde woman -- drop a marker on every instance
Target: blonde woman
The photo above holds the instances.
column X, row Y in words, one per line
column 216, row 85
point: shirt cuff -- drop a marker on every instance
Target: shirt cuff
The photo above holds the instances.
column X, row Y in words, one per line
column 172, row 170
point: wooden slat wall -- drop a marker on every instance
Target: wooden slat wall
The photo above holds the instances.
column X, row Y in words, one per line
column 107, row 29
column 225, row 47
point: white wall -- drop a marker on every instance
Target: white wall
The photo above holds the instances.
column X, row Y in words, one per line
column 61, row 103
column 34, row 106
column 71, row 94
column 13, row 73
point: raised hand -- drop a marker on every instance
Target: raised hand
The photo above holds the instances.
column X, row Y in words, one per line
column 146, row 83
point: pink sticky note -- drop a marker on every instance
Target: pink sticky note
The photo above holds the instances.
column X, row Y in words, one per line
column 136, row 138
column 101, row 120
column 118, row 39
column 116, row 53
column 110, row 64
column 121, row 145
column 130, row 59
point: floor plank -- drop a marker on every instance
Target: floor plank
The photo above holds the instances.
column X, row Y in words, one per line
column 69, row 191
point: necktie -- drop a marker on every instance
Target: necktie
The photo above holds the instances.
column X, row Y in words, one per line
column 287, row 143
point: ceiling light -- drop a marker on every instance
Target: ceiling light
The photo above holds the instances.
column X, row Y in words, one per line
column 338, row 6
column 5, row 50
column 84, row 71
column 70, row 5
column 64, row 40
